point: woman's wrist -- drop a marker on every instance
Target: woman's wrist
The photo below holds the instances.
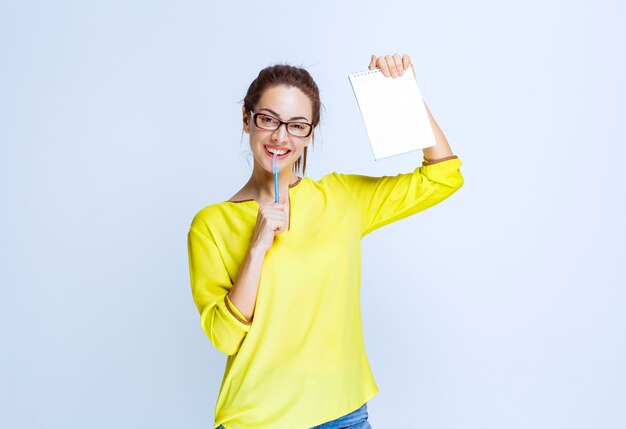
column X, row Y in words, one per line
column 256, row 251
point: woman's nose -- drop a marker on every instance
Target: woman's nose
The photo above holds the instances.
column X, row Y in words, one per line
column 280, row 134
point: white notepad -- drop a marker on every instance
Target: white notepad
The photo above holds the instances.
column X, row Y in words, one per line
column 393, row 111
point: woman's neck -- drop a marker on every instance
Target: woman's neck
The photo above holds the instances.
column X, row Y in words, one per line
column 260, row 186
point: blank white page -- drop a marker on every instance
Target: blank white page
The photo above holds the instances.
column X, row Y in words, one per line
column 393, row 111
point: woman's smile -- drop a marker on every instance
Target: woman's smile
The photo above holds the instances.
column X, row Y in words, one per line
column 282, row 152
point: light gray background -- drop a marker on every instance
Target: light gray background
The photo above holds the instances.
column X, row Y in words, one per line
column 502, row 307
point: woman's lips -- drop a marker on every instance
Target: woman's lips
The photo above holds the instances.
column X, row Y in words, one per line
column 279, row 156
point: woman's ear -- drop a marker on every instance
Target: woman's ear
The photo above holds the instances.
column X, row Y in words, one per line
column 246, row 119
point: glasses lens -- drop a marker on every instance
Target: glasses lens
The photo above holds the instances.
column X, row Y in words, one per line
column 299, row 129
column 266, row 122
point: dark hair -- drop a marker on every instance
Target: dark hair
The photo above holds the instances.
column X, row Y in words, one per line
column 284, row 74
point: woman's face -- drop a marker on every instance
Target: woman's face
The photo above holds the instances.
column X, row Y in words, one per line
column 286, row 103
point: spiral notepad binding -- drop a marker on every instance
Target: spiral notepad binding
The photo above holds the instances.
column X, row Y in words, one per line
column 366, row 72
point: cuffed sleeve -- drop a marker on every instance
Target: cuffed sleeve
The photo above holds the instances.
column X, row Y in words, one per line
column 386, row 199
column 221, row 321
column 233, row 309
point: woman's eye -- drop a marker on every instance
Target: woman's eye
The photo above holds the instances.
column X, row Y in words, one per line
column 297, row 126
column 267, row 119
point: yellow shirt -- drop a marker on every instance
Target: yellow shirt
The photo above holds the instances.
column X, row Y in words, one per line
column 301, row 361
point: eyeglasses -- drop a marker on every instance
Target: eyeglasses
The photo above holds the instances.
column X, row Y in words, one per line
column 270, row 123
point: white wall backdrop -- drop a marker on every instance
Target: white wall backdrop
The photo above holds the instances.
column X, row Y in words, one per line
column 502, row 307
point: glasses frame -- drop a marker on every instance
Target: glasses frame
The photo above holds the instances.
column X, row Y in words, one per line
column 254, row 119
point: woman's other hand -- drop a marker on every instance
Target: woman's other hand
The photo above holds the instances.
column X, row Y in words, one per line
column 392, row 65
column 272, row 219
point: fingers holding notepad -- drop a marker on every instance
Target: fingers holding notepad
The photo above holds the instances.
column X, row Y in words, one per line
column 392, row 65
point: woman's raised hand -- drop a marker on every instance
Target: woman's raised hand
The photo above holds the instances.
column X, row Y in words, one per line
column 392, row 65
column 272, row 219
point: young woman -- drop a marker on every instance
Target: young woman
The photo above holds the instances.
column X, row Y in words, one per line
column 277, row 285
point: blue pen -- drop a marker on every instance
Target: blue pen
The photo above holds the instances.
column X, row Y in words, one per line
column 275, row 168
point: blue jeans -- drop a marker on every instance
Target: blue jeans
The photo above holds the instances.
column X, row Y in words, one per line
column 357, row 419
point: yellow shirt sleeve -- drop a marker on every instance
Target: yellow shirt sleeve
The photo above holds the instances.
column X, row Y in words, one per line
column 386, row 199
column 221, row 321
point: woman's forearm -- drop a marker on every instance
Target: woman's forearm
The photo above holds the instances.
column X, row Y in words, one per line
column 244, row 291
column 441, row 149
